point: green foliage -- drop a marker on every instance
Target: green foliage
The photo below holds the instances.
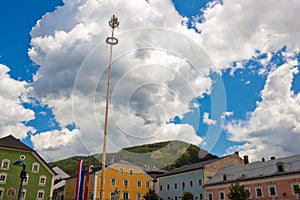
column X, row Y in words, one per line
column 238, row 192
column 187, row 196
column 174, row 153
column 151, row 195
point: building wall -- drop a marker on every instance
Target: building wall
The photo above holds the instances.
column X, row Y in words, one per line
column 283, row 185
column 13, row 175
column 113, row 172
column 213, row 168
column 168, row 191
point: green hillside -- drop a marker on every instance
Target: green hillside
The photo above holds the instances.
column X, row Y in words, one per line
column 161, row 155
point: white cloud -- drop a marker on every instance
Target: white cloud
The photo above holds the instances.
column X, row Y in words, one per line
column 153, row 78
column 273, row 128
column 12, row 112
column 233, row 30
column 207, row 120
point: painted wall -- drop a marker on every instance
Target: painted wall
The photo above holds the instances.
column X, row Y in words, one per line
column 283, row 185
column 13, row 175
column 113, row 172
column 193, row 182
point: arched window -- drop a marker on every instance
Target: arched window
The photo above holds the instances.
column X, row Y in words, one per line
column 280, row 167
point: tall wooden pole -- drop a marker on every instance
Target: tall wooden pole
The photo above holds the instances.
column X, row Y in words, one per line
column 113, row 23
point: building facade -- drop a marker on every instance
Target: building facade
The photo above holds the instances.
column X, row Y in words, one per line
column 123, row 180
column 191, row 178
column 39, row 176
column 272, row 179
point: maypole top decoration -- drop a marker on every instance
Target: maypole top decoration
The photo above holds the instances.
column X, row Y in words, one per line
column 113, row 23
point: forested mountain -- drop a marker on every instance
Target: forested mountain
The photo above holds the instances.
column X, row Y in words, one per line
column 161, row 155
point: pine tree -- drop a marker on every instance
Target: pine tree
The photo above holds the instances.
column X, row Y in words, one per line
column 151, row 195
column 187, row 196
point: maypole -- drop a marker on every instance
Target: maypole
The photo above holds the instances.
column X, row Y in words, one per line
column 113, row 23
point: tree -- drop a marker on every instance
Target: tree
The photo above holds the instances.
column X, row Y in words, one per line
column 187, row 196
column 151, row 195
column 238, row 192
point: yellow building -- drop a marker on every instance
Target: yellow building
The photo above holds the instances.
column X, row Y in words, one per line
column 123, row 180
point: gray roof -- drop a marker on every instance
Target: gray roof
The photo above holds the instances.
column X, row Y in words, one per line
column 256, row 170
column 187, row 168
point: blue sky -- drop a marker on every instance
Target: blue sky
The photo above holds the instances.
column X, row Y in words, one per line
column 221, row 75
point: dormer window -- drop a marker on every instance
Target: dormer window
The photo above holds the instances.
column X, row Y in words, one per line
column 280, row 167
column 224, row 177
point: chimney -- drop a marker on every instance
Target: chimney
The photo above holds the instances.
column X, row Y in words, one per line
column 237, row 153
column 246, row 160
column 273, row 158
column 263, row 159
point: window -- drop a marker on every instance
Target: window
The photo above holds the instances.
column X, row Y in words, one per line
column 91, row 180
column 23, row 193
column 125, row 195
column 176, row 198
column 42, row 180
column 168, row 186
column 259, row 192
column 113, row 181
column 131, row 172
column 112, row 195
column 35, row 167
column 191, row 183
column 200, row 182
column 3, row 177
column 25, row 180
column 221, row 195
column 247, row 188
column 147, row 184
column 160, row 187
column 175, row 185
column 295, row 187
column 139, row 184
column 1, row 192
column 272, row 190
column 11, row 192
column 121, row 171
column 40, row 194
column 224, row 177
column 125, row 182
column 201, row 196
column 5, row 164
column 210, row 196
column 280, row 167
column 183, row 184
column 138, row 196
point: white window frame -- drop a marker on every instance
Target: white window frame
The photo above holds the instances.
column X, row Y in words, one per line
column 138, row 196
column 139, row 183
column 1, row 193
column 212, row 195
column 223, row 194
column 121, row 171
column 8, row 164
column 262, row 192
column 249, row 189
column 25, row 181
column 147, row 184
column 113, row 181
column 131, row 172
column 41, row 178
column 292, row 186
column 126, row 183
column 269, row 190
column 40, row 192
column 33, row 167
column 24, row 191
column 5, row 175
column 126, row 192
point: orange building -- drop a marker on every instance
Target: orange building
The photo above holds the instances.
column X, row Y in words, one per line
column 123, row 180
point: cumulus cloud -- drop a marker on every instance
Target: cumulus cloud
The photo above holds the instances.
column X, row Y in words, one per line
column 273, row 128
column 153, row 78
column 207, row 120
column 13, row 115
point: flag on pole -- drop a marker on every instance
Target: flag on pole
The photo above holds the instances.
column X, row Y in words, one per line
column 79, row 180
column 87, row 179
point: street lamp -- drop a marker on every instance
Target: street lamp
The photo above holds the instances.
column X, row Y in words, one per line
column 22, row 175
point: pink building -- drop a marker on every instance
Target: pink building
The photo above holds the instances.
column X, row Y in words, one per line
column 272, row 179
